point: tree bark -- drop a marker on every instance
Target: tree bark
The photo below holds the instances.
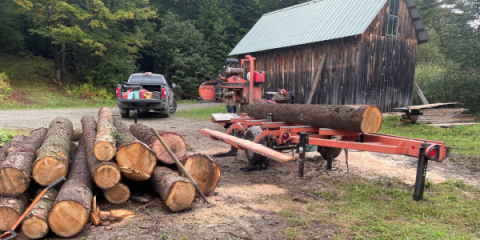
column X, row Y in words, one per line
column 105, row 174
column 204, row 171
column 135, row 158
column 35, row 224
column 72, row 206
column 118, row 194
column 12, row 143
column 174, row 141
column 11, row 209
column 77, row 133
column 53, row 157
column 354, row 118
column 177, row 192
column 16, row 169
column 104, row 148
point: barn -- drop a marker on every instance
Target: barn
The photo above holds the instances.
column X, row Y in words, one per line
column 369, row 48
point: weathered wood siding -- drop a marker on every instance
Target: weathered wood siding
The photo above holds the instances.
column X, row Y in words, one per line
column 364, row 69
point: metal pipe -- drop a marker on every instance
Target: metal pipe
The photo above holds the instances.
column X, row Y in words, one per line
column 252, row 69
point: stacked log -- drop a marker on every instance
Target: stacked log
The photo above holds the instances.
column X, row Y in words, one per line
column 35, row 224
column 11, row 209
column 177, row 192
column 354, row 118
column 53, row 157
column 72, row 206
column 118, row 194
column 105, row 174
column 174, row 141
column 135, row 158
column 204, row 171
column 77, row 134
column 104, row 148
column 16, row 169
column 12, row 143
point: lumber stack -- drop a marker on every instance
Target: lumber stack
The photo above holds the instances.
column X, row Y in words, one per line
column 107, row 151
column 437, row 114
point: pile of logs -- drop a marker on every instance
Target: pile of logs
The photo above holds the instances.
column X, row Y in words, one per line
column 108, row 155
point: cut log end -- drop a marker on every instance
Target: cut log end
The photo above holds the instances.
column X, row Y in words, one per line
column 372, row 120
column 136, row 161
column 13, row 182
column 106, row 176
column 48, row 170
column 8, row 216
column 181, row 196
column 175, row 142
column 67, row 218
column 35, row 227
column 118, row 194
column 104, row 151
column 204, row 171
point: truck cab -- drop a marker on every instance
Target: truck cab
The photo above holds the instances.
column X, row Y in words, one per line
column 161, row 94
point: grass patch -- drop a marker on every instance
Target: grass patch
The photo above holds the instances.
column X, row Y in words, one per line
column 384, row 209
column 463, row 139
column 202, row 113
column 7, row 134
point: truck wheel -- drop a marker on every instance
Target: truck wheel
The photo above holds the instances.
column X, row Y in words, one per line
column 251, row 134
column 124, row 112
column 166, row 112
column 173, row 108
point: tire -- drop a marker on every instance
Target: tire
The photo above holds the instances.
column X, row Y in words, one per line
column 166, row 112
column 326, row 152
column 251, row 134
column 124, row 112
column 174, row 106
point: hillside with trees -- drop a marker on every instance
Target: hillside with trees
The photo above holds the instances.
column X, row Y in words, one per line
column 101, row 42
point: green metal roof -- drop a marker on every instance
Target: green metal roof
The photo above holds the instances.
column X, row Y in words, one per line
column 309, row 22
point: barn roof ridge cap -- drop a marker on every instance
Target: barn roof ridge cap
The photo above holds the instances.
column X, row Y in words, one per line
column 291, row 7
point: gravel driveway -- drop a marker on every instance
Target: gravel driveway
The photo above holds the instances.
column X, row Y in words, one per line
column 35, row 118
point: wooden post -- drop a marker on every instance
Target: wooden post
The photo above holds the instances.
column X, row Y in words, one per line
column 420, row 93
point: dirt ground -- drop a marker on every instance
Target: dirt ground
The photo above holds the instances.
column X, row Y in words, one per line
column 244, row 205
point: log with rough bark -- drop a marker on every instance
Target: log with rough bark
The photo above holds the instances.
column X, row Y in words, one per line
column 105, row 174
column 35, row 224
column 118, row 194
column 204, row 171
column 135, row 158
column 53, row 157
column 77, row 134
column 177, row 192
column 174, row 141
column 11, row 209
column 72, row 206
column 354, row 118
column 16, row 169
column 12, row 143
column 104, row 148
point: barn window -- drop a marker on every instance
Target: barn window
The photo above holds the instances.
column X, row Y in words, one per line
column 394, row 9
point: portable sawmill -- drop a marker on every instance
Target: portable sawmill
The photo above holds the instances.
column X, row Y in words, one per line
column 265, row 130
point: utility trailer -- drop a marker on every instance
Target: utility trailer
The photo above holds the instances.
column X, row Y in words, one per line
column 263, row 139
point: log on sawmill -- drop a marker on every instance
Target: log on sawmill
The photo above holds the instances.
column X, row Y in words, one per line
column 35, row 224
column 135, row 158
column 77, row 134
column 16, row 169
column 177, row 192
column 118, row 194
column 354, row 118
column 105, row 174
column 174, row 141
column 11, row 209
column 12, row 143
column 204, row 171
column 104, row 148
column 72, row 206
column 53, row 157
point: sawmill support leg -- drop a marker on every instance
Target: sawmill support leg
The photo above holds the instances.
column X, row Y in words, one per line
column 302, row 148
column 421, row 173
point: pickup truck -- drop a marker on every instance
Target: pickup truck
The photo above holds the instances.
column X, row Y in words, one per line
column 162, row 99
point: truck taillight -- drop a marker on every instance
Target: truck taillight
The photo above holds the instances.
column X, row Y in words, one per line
column 164, row 93
column 118, row 92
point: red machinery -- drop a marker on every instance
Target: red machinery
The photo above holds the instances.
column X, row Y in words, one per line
column 233, row 78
